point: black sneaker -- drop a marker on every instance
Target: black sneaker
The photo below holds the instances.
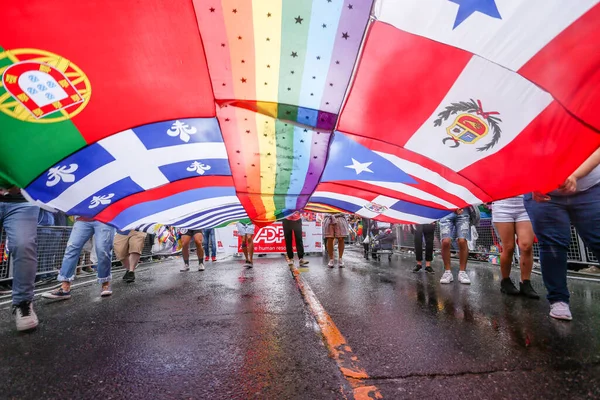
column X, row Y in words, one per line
column 129, row 276
column 417, row 268
column 508, row 287
column 528, row 291
column 429, row 270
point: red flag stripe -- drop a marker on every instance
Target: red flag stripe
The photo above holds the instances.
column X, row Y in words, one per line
column 569, row 67
column 111, row 212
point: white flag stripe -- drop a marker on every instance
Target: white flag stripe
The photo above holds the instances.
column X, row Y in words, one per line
column 418, row 171
column 400, row 216
column 342, row 197
column 121, row 168
column 526, row 26
column 517, row 100
column 201, row 221
column 168, row 217
column 379, row 200
column 414, row 192
column 209, row 214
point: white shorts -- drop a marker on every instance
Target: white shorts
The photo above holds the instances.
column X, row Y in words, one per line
column 509, row 210
column 245, row 229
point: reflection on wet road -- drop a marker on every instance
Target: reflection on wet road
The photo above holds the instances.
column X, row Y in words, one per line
column 234, row 333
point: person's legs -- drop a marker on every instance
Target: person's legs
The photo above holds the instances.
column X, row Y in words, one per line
column 463, row 234
column 341, row 245
column 185, row 251
column 245, row 247
column 136, row 247
column 82, row 231
column 428, row 232
column 288, row 230
column 213, row 243
column 198, row 238
column 297, row 228
column 250, row 247
column 206, row 243
column 447, row 233
column 551, row 224
column 506, row 230
column 121, row 249
column 330, row 248
column 103, row 239
column 525, row 237
column 419, row 244
column 20, row 224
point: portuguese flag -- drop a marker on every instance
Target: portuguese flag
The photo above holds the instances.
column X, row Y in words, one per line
column 89, row 72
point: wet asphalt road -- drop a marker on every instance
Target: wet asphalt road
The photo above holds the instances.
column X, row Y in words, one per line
column 232, row 333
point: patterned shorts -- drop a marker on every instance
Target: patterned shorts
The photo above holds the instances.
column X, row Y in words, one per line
column 455, row 226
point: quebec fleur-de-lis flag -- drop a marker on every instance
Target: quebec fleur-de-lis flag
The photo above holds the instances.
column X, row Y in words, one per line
column 198, row 113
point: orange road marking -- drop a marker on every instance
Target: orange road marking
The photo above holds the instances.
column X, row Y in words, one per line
column 338, row 348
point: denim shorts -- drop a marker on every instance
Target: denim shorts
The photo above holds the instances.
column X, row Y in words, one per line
column 245, row 229
column 455, row 226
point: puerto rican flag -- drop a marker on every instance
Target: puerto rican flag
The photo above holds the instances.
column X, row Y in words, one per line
column 553, row 43
column 458, row 130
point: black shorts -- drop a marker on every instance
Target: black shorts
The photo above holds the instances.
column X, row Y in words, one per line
column 190, row 232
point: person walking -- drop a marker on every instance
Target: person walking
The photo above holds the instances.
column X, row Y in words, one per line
column 128, row 247
column 424, row 231
column 210, row 244
column 82, row 231
column 186, row 238
column 576, row 202
column 246, row 232
column 335, row 226
column 19, row 220
column 509, row 218
column 292, row 226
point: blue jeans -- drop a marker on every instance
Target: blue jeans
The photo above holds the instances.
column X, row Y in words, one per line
column 551, row 224
column 20, row 223
column 454, row 226
column 209, row 238
column 81, row 233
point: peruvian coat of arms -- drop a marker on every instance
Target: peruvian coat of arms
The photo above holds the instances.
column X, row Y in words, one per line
column 470, row 125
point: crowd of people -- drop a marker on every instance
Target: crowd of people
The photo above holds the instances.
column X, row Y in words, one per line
column 545, row 216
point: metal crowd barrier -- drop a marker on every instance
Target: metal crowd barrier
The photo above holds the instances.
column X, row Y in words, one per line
column 52, row 243
column 488, row 243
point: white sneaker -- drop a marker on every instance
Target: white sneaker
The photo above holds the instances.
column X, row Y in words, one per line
column 560, row 310
column 25, row 317
column 106, row 291
column 290, row 262
column 201, row 267
column 331, row 263
column 341, row 263
column 447, row 277
column 185, row 268
column 464, row 278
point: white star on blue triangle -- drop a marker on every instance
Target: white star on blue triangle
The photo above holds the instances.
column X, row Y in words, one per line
column 467, row 7
column 351, row 161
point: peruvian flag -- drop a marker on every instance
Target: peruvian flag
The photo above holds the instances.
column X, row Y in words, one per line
column 467, row 122
column 553, row 43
